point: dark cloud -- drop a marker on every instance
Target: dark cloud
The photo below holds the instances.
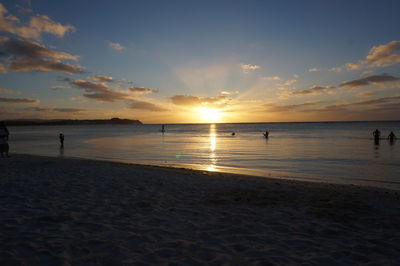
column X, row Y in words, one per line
column 40, row 64
column 375, row 79
column 62, row 110
column 312, row 90
column 25, row 48
column 196, row 101
column 142, row 90
column 25, row 56
column 146, row 106
column 18, row 100
column 89, row 86
column 96, row 90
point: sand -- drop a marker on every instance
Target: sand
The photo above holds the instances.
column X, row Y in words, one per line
column 57, row 211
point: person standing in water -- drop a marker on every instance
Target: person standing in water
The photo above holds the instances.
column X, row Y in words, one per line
column 4, row 140
column 61, row 140
column 376, row 135
column 266, row 134
column 391, row 136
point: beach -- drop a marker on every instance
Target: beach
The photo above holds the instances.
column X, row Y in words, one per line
column 59, row 211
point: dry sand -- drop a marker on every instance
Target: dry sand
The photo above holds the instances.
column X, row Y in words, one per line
column 80, row 212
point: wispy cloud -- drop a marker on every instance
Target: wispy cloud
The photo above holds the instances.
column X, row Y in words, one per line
column 18, row 101
column 187, row 100
column 314, row 90
column 271, row 78
column 25, row 56
column 229, row 92
column 6, row 91
column 379, row 56
column 376, row 79
column 116, row 46
column 314, row 69
column 51, row 110
column 336, row 69
column 3, row 68
column 37, row 25
column 365, row 105
column 57, row 87
column 135, row 104
column 102, row 78
column 142, row 90
column 288, row 107
column 248, row 67
column 288, row 83
column 373, row 101
column 365, row 94
column 97, row 90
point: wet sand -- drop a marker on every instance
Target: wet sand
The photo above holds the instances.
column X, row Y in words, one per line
column 58, row 211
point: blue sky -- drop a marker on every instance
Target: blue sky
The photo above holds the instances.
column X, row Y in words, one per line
column 174, row 61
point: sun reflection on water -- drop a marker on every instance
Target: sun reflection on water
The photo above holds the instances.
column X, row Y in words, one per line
column 213, row 147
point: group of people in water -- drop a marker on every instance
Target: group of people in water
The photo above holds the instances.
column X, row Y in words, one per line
column 266, row 134
column 377, row 136
column 4, row 140
column 4, row 133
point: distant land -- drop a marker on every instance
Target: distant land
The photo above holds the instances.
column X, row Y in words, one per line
column 60, row 122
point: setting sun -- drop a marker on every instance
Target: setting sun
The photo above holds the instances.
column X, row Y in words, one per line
column 209, row 115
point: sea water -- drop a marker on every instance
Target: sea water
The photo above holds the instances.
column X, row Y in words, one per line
column 341, row 152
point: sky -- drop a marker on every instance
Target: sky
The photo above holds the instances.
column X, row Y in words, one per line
column 200, row 61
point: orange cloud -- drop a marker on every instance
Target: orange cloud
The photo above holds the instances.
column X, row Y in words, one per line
column 379, row 56
column 37, row 25
column 102, row 78
column 187, row 100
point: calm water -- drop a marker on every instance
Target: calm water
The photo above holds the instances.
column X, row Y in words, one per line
column 338, row 152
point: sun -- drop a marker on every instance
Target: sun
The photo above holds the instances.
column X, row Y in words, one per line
column 209, row 115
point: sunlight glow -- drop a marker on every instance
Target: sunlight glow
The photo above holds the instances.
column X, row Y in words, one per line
column 209, row 115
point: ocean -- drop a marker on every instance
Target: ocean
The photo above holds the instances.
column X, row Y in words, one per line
column 339, row 152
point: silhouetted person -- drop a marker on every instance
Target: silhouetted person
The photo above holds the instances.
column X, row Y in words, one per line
column 61, row 140
column 391, row 136
column 4, row 140
column 376, row 135
column 162, row 129
column 266, row 134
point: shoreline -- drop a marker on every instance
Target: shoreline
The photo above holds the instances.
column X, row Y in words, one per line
column 83, row 211
column 238, row 172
